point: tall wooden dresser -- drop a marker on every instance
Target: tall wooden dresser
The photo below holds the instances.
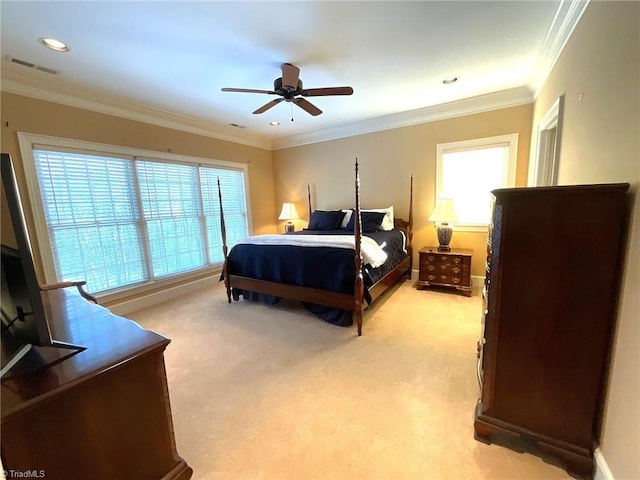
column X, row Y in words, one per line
column 554, row 260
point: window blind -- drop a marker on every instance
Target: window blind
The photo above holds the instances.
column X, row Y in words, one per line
column 170, row 205
column 235, row 214
column 91, row 214
column 469, row 175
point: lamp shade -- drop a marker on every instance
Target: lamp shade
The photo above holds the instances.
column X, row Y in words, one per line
column 288, row 212
column 444, row 212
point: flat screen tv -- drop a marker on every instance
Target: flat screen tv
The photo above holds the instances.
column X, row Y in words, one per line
column 24, row 317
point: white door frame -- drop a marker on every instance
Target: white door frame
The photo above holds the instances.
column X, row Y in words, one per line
column 544, row 170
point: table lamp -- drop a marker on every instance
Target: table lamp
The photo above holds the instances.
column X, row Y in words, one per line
column 443, row 215
column 288, row 213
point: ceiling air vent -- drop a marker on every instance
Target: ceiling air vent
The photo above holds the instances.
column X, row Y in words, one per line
column 24, row 63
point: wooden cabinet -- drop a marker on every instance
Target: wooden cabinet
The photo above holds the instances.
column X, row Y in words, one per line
column 549, row 300
column 102, row 413
column 450, row 268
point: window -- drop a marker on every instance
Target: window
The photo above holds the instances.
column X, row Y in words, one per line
column 119, row 219
column 468, row 171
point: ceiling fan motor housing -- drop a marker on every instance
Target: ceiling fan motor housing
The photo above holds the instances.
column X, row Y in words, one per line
column 287, row 92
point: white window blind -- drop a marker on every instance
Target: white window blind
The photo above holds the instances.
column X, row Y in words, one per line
column 468, row 171
column 171, row 211
column 117, row 220
column 235, row 214
column 91, row 214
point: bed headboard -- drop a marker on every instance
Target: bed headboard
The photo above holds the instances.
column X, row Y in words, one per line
column 405, row 226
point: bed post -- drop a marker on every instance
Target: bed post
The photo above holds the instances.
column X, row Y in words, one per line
column 309, row 198
column 359, row 282
column 223, row 230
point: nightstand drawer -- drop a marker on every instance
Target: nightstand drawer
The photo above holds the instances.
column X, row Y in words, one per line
column 452, row 280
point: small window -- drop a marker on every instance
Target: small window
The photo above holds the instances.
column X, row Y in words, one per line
column 468, row 171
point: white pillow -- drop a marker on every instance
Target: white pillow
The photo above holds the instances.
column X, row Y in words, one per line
column 347, row 217
column 387, row 221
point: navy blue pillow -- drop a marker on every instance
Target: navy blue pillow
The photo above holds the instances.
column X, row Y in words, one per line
column 325, row 220
column 371, row 221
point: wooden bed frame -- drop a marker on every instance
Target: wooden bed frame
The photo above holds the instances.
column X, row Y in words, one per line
column 327, row 298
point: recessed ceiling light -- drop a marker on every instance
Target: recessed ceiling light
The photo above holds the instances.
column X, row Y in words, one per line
column 274, row 124
column 54, row 44
column 449, row 80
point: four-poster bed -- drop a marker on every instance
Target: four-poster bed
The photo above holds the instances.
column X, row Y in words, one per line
column 327, row 279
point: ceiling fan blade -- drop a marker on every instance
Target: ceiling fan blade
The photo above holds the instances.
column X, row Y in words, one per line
column 267, row 106
column 319, row 92
column 248, row 90
column 307, row 106
column 290, row 75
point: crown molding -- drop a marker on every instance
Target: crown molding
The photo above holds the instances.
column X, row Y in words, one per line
column 567, row 17
column 42, row 87
column 482, row 103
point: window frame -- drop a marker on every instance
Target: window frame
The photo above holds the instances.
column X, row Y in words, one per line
column 27, row 141
column 472, row 144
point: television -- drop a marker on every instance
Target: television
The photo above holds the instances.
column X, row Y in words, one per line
column 24, row 317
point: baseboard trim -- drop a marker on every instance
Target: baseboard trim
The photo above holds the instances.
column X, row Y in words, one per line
column 602, row 471
column 477, row 282
column 151, row 299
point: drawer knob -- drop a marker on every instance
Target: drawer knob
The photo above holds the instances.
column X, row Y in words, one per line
column 456, row 270
column 456, row 259
column 455, row 280
column 431, row 258
column 431, row 277
column 431, row 267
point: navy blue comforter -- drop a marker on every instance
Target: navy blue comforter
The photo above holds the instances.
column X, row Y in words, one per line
column 324, row 268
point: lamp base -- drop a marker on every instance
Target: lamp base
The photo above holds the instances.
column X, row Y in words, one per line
column 445, row 232
column 289, row 228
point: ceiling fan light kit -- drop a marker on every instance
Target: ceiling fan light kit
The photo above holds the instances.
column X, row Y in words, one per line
column 290, row 88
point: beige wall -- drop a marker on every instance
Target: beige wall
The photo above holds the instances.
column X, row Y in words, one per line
column 387, row 160
column 599, row 73
column 22, row 114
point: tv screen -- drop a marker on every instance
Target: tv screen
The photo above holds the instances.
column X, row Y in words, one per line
column 23, row 313
column 18, row 315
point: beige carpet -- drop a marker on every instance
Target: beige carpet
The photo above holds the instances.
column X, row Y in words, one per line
column 261, row 392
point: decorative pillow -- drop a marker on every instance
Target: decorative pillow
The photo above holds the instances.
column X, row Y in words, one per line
column 371, row 221
column 387, row 222
column 325, row 220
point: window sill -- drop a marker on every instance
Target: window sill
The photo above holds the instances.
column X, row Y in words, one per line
column 471, row 228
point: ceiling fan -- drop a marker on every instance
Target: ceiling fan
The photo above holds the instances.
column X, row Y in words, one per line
column 289, row 87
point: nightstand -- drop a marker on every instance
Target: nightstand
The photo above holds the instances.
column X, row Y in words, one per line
column 450, row 268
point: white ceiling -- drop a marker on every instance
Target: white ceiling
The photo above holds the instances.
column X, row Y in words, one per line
column 172, row 58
